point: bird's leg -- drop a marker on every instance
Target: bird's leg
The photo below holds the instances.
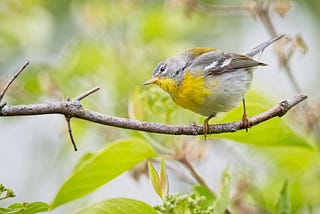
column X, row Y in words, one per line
column 245, row 120
column 206, row 125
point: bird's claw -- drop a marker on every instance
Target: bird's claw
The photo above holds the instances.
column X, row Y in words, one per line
column 205, row 129
column 245, row 122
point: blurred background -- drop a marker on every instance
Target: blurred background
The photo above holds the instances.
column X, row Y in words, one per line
column 74, row 46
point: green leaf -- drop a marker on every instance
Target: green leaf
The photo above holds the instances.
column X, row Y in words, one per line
column 163, row 178
column 25, row 208
column 102, row 167
column 206, row 193
column 283, row 205
column 222, row 201
column 159, row 182
column 86, row 157
column 9, row 192
column 282, row 133
column 154, row 178
column 119, row 206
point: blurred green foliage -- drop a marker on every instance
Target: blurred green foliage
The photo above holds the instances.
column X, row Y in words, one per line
column 76, row 45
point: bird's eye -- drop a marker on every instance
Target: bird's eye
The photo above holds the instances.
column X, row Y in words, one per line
column 162, row 68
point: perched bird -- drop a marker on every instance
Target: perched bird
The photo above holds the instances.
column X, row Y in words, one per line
column 207, row 80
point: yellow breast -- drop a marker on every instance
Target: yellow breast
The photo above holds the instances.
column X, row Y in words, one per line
column 189, row 94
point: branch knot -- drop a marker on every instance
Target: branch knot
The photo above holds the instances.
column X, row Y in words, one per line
column 284, row 106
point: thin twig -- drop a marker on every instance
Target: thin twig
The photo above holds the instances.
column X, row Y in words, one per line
column 186, row 163
column 267, row 23
column 5, row 88
column 87, row 93
column 264, row 16
column 68, row 118
column 74, row 109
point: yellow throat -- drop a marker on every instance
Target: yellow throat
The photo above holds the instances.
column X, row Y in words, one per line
column 189, row 94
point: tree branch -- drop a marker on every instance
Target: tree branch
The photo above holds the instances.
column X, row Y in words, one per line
column 186, row 163
column 87, row 93
column 73, row 108
column 5, row 88
column 70, row 133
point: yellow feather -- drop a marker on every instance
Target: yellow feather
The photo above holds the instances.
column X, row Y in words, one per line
column 189, row 94
column 198, row 51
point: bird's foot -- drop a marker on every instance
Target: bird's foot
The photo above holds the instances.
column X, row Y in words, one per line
column 245, row 122
column 205, row 128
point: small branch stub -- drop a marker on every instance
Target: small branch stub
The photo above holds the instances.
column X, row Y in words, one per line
column 87, row 93
column 68, row 118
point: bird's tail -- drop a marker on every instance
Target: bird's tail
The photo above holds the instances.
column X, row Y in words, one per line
column 262, row 46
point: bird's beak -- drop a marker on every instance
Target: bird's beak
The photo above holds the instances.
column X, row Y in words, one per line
column 151, row 81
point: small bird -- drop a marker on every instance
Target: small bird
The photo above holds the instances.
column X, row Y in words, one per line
column 208, row 81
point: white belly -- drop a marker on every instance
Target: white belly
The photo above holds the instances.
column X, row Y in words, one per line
column 228, row 89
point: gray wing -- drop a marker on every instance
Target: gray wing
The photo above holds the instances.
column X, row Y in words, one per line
column 217, row 62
